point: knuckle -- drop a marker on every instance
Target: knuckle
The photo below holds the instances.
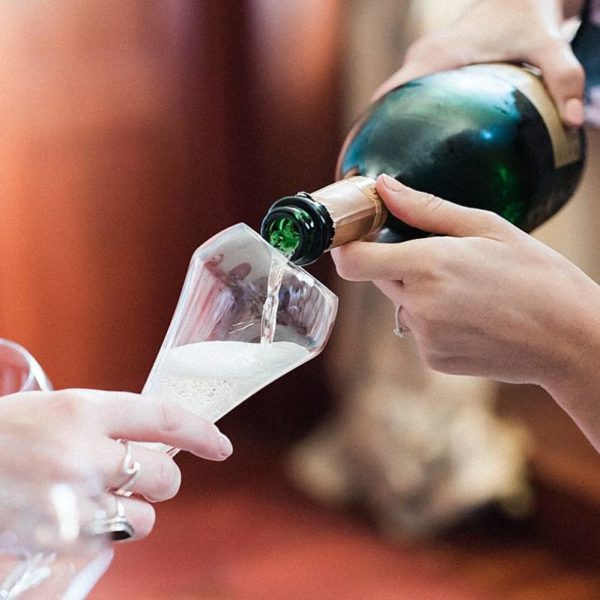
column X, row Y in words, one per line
column 170, row 418
column 433, row 264
column 489, row 224
column 431, row 203
column 72, row 406
column 61, row 458
column 167, row 480
column 491, row 220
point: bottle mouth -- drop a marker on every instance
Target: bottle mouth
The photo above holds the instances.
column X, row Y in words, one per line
column 298, row 227
column 283, row 233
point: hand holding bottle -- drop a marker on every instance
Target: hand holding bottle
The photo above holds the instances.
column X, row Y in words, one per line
column 483, row 135
column 486, row 299
column 505, row 31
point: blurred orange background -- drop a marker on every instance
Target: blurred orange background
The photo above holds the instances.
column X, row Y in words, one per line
column 134, row 130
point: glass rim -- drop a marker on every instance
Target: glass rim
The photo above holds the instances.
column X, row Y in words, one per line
column 246, row 229
column 35, row 373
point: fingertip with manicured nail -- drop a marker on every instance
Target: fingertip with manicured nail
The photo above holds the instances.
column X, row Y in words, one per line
column 225, row 446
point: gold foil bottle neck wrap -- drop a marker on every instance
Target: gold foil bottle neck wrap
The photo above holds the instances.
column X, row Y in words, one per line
column 355, row 207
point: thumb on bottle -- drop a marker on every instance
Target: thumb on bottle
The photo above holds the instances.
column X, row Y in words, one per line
column 564, row 78
column 432, row 214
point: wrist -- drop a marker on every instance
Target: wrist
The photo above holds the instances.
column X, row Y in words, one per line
column 572, row 375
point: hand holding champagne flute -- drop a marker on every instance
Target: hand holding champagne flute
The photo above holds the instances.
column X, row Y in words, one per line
column 65, row 470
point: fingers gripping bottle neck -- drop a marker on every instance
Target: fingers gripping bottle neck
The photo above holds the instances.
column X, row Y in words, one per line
column 304, row 226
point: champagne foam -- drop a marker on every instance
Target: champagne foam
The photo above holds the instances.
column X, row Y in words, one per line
column 211, row 378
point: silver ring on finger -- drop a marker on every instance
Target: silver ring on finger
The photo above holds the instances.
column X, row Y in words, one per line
column 399, row 329
column 116, row 527
column 130, row 470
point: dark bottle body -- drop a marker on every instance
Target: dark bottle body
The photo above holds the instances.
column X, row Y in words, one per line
column 482, row 136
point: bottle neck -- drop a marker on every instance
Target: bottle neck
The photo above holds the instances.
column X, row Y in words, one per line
column 355, row 207
column 305, row 226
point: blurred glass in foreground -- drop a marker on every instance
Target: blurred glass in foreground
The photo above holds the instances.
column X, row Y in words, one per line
column 50, row 505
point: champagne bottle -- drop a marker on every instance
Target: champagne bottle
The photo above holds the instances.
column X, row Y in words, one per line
column 484, row 136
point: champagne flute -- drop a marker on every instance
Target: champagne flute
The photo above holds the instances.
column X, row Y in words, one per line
column 245, row 317
column 19, row 370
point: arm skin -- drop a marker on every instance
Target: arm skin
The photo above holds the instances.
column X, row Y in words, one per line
column 486, row 299
column 526, row 31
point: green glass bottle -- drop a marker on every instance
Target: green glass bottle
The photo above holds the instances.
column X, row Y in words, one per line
column 485, row 136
